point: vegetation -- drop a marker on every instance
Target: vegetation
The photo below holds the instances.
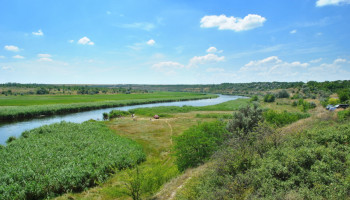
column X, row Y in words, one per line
column 265, row 164
column 118, row 114
column 269, row 98
column 283, row 94
column 283, row 118
column 63, row 157
column 198, row 143
column 42, row 105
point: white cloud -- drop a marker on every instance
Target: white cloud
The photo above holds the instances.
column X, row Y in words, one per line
column 215, row 70
column 85, row 40
column 140, row 25
column 321, row 3
column 18, row 57
column 209, row 58
column 293, row 31
column 108, row 12
column 223, row 22
column 45, row 57
column 167, row 67
column 11, row 48
column 151, row 42
column 316, row 60
column 70, row 41
column 7, row 68
column 39, row 33
column 212, row 50
column 2, row 57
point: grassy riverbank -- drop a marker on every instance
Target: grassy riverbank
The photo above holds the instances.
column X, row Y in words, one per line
column 21, row 107
column 63, row 157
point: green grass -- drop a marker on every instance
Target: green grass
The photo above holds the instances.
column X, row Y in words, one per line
column 63, row 157
column 280, row 119
column 41, row 105
column 166, row 111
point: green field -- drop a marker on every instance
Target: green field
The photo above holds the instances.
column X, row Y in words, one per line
column 63, row 157
column 29, row 100
column 33, row 106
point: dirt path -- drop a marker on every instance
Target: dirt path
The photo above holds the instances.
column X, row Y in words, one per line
column 171, row 131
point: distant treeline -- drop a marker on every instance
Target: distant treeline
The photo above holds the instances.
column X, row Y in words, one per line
column 40, row 89
column 311, row 87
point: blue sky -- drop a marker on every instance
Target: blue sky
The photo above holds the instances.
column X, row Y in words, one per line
column 174, row 42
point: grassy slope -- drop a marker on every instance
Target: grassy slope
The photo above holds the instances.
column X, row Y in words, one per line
column 156, row 138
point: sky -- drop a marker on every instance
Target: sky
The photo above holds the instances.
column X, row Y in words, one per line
column 173, row 42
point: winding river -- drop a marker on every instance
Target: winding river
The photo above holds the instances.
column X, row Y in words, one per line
column 16, row 128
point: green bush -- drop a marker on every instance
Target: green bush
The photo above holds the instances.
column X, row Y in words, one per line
column 63, row 157
column 118, row 114
column 283, row 118
column 198, row 143
column 269, row 98
column 254, row 98
column 245, row 120
column 342, row 115
column 283, row 94
column 344, row 95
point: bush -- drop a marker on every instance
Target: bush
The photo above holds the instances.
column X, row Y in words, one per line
column 342, row 115
column 254, row 98
column 245, row 120
column 344, row 95
column 198, row 143
column 269, row 98
column 283, row 118
column 283, row 94
column 333, row 101
column 118, row 114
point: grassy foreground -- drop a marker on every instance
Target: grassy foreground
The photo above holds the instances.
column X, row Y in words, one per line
column 21, row 107
column 63, row 157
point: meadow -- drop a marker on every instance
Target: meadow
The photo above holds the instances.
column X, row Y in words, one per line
column 21, row 107
column 63, row 157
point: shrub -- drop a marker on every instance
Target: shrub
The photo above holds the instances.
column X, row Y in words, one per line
column 269, row 98
column 342, row 115
column 283, row 94
column 283, row 118
column 344, row 95
column 10, row 139
column 198, row 143
column 254, row 98
column 105, row 116
column 333, row 101
column 118, row 114
column 245, row 120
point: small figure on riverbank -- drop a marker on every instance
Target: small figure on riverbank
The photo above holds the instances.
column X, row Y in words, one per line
column 133, row 115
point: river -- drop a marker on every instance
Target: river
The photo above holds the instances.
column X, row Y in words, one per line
column 16, row 128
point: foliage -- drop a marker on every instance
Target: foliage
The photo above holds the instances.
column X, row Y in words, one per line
column 269, row 98
column 134, row 184
column 283, row 118
column 283, row 94
column 118, row 114
column 105, row 116
column 245, row 120
column 344, row 114
column 254, row 98
column 86, row 103
column 214, row 115
column 344, row 95
column 198, row 143
column 308, row 165
column 63, row 157
column 333, row 101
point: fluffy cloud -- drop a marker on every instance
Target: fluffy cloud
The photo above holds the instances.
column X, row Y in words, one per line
column 212, row 50
column 209, row 58
column 45, row 57
column 85, row 40
column 70, row 41
column 223, row 22
column 39, row 33
column 167, row 67
column 151, row 42
column 316, row 60
column 11, row 48
column 2, row 57
column 7, row 68
column 321, row 3
column 18, row 57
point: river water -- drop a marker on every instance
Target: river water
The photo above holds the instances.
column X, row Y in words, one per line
column 16, row 128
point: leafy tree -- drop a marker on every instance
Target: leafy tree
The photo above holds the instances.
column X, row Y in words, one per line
column 283, row 94
column 333, row 101
column 344, row 95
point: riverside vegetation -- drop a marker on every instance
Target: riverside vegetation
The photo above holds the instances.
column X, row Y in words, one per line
column 264, row 150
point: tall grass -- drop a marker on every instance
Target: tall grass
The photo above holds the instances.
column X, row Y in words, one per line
column 23, row 112
column 63, row 157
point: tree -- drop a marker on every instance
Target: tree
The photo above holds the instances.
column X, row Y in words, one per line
column 344, row 95
column 269, row 98
column 283, row 94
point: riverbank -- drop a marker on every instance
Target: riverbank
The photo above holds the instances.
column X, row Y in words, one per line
column 11, row 113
